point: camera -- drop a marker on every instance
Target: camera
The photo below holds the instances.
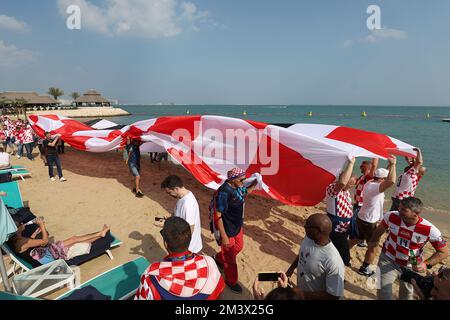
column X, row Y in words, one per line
column 424, row 283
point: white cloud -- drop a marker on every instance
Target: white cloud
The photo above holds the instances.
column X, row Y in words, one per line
column 11, row 56
column 385, row 33
column 137, row 18
column 13, row 24
column 376, row 36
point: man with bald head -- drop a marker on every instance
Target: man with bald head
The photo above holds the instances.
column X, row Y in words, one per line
column 320, row 270
column 340, row 210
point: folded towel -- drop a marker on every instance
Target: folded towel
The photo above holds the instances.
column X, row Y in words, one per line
column 78, row 249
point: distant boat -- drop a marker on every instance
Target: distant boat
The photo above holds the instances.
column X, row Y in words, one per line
column 244, row 113
column 363, row 114
column 188, row 112
column 428, row 116
column 446, row 120
column 310, row 114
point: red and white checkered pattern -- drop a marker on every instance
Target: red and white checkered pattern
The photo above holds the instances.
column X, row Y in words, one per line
column 359, row 187
column 339, row 204
column 181, row 279
column 234, row 173
column 310, row 156
column 19, row 135
column 28, row 135
column 407, row 184
column 403, row 238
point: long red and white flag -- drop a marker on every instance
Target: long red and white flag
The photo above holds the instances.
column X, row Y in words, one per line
column 296, row 163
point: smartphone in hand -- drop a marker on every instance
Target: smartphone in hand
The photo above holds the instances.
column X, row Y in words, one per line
column 269, row 276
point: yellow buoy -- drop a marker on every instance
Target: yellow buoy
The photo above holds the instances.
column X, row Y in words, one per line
column 363, row 114
column 244, row 113
column 310, row 114
column 428, row 116
column 188, row 112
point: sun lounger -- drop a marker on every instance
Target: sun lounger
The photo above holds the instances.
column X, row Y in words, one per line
column 119, row 283
column 25, row 262
column 13, row 196
column 17, row 171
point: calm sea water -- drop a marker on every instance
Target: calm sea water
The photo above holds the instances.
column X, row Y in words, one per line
column 409, row 124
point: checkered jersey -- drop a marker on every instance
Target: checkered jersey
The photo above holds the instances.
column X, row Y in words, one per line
column 27, row 135
column 20, row 135
column 407, row 184
column 360, row 187
column 403, row 238
column 339, row 204
column 194, row 278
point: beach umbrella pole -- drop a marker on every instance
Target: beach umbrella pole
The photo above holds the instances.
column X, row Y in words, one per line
column 4, row 274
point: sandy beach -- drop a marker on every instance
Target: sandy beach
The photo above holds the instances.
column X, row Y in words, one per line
column 87, row 112
column 98, row 191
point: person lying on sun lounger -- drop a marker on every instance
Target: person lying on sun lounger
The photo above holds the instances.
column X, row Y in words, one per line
column 45, row 251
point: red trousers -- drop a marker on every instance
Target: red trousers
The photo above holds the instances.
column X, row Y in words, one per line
column 227, row 257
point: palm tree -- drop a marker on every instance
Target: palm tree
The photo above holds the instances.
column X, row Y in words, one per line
column 55, row 92
column 75, row 95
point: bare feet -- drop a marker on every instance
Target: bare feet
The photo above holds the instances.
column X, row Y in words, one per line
column 104, row 230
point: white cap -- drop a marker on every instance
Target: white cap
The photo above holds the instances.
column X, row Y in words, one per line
column 381, row 173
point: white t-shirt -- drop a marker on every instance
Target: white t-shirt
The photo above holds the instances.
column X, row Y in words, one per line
column 187, row 208
column 4, row 160
column 373, row 200
column 320, row 268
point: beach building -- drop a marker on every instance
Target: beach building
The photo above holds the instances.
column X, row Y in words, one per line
column 92, row 98
column 31, row 99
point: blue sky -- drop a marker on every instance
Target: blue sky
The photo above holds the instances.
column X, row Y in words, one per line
column 231, row 52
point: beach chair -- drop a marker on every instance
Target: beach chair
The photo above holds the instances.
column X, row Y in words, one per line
column 119, row 283
column 13, row 196
column 23, row 262
column 17, row 171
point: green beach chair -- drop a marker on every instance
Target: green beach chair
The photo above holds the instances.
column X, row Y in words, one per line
column 17, row 171
column 120, row 283
column 6, row 296
column 13, row 196
column 21, row 265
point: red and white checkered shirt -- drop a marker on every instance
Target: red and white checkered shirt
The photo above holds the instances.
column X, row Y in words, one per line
column 28, row 135
column 403, row 238
column 20, row 135
column 406, row 184
column 339, row 204
column 360, row 187
column 193, row 277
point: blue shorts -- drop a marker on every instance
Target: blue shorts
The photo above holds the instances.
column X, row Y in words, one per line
column 133, row 169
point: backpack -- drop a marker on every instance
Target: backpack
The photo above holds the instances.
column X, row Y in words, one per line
column 212, row 215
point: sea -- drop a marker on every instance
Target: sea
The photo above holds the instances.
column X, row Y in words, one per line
column 419, row 126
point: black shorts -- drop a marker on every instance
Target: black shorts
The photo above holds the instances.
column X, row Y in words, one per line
column 365, row 229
